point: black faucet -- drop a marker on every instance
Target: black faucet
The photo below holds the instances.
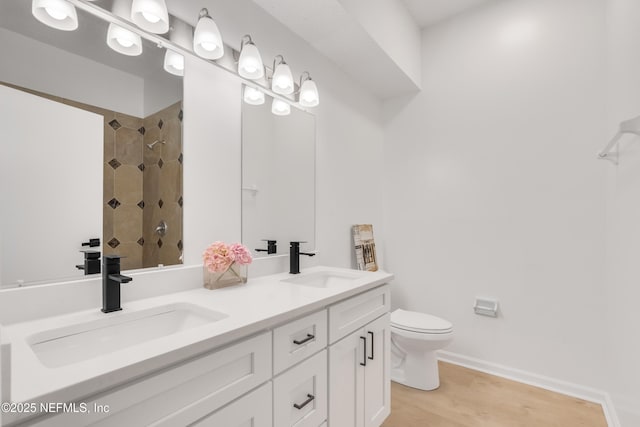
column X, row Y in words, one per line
column 294, row 257
column 91, row 262
column 111, row 280
column 272, row 247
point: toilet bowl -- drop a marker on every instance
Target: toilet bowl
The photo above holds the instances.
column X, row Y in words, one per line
column 415, row 337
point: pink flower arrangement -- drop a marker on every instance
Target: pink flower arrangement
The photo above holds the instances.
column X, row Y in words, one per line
column 219, row 256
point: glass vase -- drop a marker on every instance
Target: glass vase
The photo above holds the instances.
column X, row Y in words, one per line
column 233, row 275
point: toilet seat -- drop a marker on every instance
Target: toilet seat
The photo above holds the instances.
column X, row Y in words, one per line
column 421, row 323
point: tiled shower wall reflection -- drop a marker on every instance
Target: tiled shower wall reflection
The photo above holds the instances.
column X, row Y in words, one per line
column 142, row 185
column 143, row 188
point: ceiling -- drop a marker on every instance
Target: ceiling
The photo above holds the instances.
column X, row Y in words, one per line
column 334, row 29
column 429, row 12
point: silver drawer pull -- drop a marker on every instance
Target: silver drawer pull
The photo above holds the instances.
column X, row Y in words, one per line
column 310, row 397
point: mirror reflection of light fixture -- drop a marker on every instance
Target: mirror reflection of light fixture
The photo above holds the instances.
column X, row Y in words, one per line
column 280, row 108
column 150, row 15
column 282, row 79
column 58, row 14
column 250, row 64
column 180, row 34
column 253, row 96
column 207, row 41
column 308, row 91
column 123, row 41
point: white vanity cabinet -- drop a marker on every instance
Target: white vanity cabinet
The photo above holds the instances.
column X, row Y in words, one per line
column 359, row 363
column 329, row 368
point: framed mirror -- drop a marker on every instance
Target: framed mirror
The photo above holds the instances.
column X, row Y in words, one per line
column 93, row 149
column 278, row 178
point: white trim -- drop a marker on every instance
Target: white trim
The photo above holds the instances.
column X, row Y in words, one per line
column 570, row 389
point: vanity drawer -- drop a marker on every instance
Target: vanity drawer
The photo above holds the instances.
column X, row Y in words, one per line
column 354, row 313
column 300, row 394
column 297, row 340
column 255, row 410
column 188, row 391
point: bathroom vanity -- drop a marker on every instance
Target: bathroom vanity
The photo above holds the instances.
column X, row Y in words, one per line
column 283, row 350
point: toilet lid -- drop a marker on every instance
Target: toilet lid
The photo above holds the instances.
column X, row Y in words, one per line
column 419, row 322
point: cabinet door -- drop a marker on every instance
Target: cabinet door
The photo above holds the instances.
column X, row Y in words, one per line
column 346, row 381
column 377, row 383
column 252, row 410
column 300, row 394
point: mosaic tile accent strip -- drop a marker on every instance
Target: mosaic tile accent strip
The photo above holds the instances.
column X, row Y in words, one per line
column 114, row 203
column 115, row 124
column 114, row 243
column 114, row 163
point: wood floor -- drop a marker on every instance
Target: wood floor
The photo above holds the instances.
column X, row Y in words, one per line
column 468, row 398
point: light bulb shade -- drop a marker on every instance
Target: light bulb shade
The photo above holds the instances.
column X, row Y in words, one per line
column 123, row 41
column 253, row 96
column 280, row 108
column 250, row 64
column 150, row 15
column 207, row 41
column 173, row 63
column 309, row 94
column 282, row 81
column 58, row 14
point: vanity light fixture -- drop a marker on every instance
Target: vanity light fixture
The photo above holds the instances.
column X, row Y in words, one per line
column 308, row 91
column 207, row 41
column 180, row 34
column 250, row 64
column 150, row 15
column 282, row 79
column 280, row 108
column 253, row 96
column 58, row 14
column 123, row 41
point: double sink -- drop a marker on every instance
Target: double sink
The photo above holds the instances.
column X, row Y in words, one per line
column 83, row 341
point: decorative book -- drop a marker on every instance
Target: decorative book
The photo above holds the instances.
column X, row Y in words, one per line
column 365, row 247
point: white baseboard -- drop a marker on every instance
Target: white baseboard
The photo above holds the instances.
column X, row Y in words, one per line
column 575, row 390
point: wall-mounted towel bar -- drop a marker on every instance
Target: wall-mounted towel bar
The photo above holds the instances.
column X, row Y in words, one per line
column 628, row 126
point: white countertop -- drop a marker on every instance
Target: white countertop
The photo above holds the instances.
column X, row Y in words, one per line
column 260, row 304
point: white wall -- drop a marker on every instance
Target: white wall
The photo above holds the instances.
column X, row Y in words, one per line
column 493, row 188
column 40, row 240
column 623, row 225
column 67, row 75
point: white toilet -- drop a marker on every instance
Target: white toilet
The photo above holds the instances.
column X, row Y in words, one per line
column 415, row 337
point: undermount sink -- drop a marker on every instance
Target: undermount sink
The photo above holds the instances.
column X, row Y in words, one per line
column 326, row 279
column 83, row 341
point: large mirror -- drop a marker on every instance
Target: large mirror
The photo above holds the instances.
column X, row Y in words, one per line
column 278, row 178
column 92, row 148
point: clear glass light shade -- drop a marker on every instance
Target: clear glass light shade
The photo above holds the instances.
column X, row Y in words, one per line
column 150, row 15
column 123, row 41
column 58, row 14
column 253, row 96
column 207, row 41
column 250, row 64
column 309, row 94
column 174, row 63
column 282, row 82
column 280, row 108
